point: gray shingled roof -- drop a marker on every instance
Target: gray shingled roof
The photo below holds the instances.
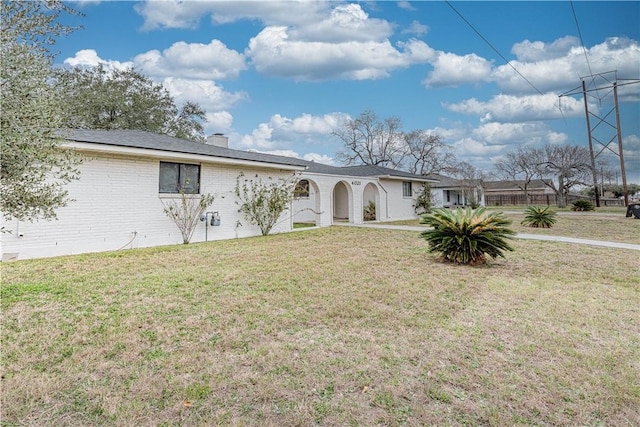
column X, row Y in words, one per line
column 444, row 181
column 154, row 141
column 362, row 171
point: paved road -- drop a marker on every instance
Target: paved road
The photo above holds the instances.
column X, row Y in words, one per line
column 519, row 236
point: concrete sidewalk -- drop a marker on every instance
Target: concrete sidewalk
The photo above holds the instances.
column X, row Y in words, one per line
column 518, row 236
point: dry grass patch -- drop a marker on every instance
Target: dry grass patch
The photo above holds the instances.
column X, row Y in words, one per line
column 606, row 226
column 336, row 326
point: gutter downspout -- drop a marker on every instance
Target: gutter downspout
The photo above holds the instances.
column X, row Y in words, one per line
column 386, row 197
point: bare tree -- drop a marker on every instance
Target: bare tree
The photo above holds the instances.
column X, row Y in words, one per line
column 521, row 166
column 564, row 167
column 370, row 141
column 472, row 182
column 186, row 211
column 426, row 153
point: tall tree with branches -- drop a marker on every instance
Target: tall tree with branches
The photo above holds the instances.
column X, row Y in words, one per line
column 98, row 98
column 564, row 167
column 520, row 165
column 426, row 153
column 367, row 140
column 34, row 166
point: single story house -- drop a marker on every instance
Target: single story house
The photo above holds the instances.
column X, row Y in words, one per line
column 450, row 192
column 128, row 176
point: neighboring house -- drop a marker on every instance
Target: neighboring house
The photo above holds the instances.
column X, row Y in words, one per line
column 127, row 176
column 498, row 193
column 449, row 192
column 331, row 193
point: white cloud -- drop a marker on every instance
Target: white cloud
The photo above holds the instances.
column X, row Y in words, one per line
column 346, row 23
column 260, row 138
column 218, row 122
column 308, row 123
column 171, row 14
column 510, row 108
column 284, row 133
column 450, row 69
column 481, row 145
column 188, row 14
column 88, row 58
column 528, row 51
column 319, row 158
column 416, row 28
column 206, row 93
column 273, row 52
column 563, row 73
column 406, row 5
column 192, row 60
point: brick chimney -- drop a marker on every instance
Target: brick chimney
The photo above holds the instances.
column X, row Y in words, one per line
column 219, row 140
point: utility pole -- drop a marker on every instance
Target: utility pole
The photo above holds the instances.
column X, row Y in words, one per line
column 603, row 124
column 625, row 190
column 594, row 174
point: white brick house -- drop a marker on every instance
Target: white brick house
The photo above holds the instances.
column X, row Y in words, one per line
column 117, row 203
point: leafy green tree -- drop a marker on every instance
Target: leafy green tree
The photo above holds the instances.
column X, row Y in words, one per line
column 97, row 98
column 263, row 203
column 34, row 167
column 467, row 236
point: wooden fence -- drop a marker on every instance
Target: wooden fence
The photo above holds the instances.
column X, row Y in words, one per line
column 542, row 199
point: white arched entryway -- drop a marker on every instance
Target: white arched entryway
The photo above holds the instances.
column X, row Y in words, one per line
column 342, row 202
column 307, row 203
column 371, row 195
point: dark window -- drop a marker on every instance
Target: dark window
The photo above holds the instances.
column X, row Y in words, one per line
column 176, row 177
column 406, row 189
column 302, row 189
column 448, row 195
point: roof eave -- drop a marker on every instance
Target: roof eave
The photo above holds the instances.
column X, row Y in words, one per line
column 166, row 154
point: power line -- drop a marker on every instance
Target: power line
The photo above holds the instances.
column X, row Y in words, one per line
column 493, row 47
column 584, row 49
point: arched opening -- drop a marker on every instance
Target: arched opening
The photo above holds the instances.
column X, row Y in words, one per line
column 342, row 202
column 307, row 204
column 371, row 203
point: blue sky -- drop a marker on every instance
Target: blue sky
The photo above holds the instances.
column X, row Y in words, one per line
column 277, row 77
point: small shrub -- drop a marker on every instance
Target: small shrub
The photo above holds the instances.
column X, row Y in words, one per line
column 264, row 202
column 185, row 212
column 467, row 236
column 582, row 205
column 370, row 211
column 423, row 200
column 539, row 217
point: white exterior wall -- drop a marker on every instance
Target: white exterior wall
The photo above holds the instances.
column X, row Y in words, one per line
column 387, row 193
column 116, row 205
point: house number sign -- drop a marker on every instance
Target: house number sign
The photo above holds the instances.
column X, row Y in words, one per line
column 355, row 182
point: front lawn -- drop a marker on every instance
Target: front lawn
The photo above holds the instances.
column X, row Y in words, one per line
column 331, row 326
column 607, row 226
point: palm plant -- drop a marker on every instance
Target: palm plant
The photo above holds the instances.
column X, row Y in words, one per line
column 582, row 205
column 539, row 217
column 467, row 236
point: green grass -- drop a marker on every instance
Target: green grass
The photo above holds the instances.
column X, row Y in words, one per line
column 331, row 326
